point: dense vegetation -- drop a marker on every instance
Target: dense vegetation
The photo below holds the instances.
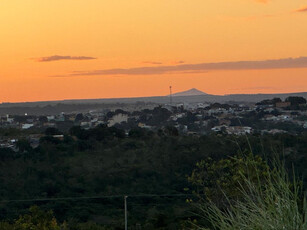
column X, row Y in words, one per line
column 105, row 164
column 265, row 198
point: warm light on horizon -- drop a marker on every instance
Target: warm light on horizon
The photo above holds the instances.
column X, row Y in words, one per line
column 70, row 49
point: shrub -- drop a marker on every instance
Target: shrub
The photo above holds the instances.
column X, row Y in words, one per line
column 275, row 202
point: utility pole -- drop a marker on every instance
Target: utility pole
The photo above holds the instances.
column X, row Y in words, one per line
column 170, row 95
column 126, row 216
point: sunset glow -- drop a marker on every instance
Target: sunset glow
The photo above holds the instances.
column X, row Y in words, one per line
column 55, row 50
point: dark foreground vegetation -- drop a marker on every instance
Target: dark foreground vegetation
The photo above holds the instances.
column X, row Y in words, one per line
column 84, row 176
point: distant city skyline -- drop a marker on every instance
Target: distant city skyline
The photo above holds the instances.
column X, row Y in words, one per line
column 76, row 49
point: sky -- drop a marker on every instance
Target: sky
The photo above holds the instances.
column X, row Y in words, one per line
column 77, row 49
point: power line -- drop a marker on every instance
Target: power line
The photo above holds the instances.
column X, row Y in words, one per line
column 96, row 197
column 101, row 197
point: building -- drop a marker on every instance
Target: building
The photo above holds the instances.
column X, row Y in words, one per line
column 117, row 119
column 27, row 126
column 283, row 104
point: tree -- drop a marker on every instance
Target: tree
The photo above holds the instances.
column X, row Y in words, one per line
column 214, row 179
column 77, row 131
column 296, row 100
column 171, row 131
column 23, row 145
column 270, row 101
column 37, row 219
column 79, row 117
column 137, row 133
column 50, row 131
column 43, row 119
column 120, row 111
column 6, row 153
column 110, row 114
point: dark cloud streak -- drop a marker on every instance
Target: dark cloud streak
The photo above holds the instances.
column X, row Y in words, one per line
column 302, row 10
column 61, row 58
column 179, row 62
column 300, row 62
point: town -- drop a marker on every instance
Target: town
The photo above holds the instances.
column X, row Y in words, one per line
column 265, row 117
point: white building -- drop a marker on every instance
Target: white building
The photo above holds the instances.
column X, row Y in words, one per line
column 117, row 119
column 27, row 126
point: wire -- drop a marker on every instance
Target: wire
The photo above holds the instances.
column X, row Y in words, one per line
column 96, row 197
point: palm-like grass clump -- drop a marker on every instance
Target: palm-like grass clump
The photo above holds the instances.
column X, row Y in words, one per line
column 273, row 202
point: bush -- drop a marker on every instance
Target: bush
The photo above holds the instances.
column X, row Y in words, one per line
column 272, row 203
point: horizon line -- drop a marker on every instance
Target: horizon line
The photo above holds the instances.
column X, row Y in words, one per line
column 135, row 97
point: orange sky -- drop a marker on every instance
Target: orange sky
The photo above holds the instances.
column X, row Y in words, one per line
column 123, row 34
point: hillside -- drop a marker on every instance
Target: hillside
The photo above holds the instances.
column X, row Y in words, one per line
column 190, row 92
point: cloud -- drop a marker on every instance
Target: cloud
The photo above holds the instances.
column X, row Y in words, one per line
column 61, row 58
column 258, row 88
column 301, row 10
column 300, row 62
column 153, row 62
column 160, row 63
column 179, row 62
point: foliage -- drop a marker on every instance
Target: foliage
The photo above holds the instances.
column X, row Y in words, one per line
column 35, row 220
column 38, row 219
column 296, row 100
column 273, row 202
column 214, row 179
column 269, row 101
column 105, row 162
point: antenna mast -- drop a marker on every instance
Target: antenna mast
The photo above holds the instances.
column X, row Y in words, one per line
column 170, row 95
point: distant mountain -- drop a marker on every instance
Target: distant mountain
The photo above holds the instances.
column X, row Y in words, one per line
column 77, row 105
column 190, row 92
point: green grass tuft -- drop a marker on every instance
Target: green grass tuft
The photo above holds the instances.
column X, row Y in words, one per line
column 272, row 203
